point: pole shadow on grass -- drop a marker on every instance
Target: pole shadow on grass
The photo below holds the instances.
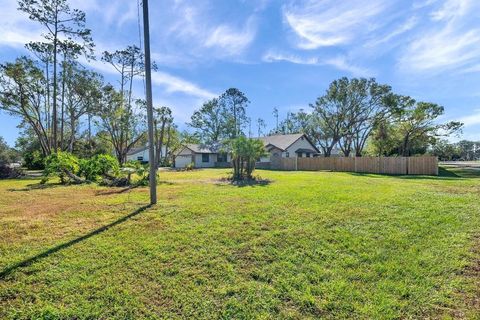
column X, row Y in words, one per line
column 7, row 271
column 443, row 174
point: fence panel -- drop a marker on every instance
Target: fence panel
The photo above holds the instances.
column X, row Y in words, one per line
column 306, row 164
column 288, row 164
column 423, row 165
column 378, row 165
column 393, row 165
column 344, row 164
column 367, row 164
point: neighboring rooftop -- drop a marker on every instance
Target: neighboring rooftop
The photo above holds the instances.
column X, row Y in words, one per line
column 136, row 150
column 198, row 148
column 281, row 141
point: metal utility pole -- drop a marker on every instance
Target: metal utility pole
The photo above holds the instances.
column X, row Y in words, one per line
column 148, row 83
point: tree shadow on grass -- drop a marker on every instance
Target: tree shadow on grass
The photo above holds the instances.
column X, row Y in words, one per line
column 7, row 271
column 111, row 191
column 37, row 186
column 258, row 182
column 443, row 174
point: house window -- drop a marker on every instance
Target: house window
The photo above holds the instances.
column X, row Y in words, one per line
column 287, row 154
column 140, row 158
column 205, row 157
column 308, row 155
column 299, row 154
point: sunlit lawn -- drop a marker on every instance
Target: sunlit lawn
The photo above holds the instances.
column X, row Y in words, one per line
column 305, row 245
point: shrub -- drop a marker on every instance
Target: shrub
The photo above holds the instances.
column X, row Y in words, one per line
column 62, row 164
column 7, row 172
column 34, row 160
column 190, row 166
column 139, row 169
column 100, row 165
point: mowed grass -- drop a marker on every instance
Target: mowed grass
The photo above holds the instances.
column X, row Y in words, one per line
column 306, row 245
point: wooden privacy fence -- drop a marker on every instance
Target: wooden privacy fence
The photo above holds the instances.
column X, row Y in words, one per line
column 379, row 165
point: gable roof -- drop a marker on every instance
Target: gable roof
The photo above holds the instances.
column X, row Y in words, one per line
column 283, row 141
column 197, row 148
column 136, row 150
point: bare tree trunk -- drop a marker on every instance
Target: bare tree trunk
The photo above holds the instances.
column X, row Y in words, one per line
column 62, row 103
column 55, row 123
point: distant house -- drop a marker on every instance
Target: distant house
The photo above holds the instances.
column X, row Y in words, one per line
column 141, row 154
column 201, row 157
column 287, row 145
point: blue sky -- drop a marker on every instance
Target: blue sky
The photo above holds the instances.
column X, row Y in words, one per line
column 285, row 53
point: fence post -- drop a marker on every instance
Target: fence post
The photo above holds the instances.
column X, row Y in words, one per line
column 296, row 163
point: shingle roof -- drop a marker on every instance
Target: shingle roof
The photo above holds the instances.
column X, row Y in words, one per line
column 303, row 150
column 136, row 150
column 281, row 141
column 197, row 148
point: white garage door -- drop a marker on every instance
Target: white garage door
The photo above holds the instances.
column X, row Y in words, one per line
column 181, row 161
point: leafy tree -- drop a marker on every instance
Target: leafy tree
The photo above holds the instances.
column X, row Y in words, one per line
column 122, row 124
column 7, row 154
column 83, row 88
column 61, row 24
column 64, row 165
column 417, row 121
column 383, row 140
column 261, row 125
column 348, row 112
column 162, row 122
column 209, row 123
column 275, row 115
column 22, row 94
column 446, row 151
column 245, row 153
column 234, row 105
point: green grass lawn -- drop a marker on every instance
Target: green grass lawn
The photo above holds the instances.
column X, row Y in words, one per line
column 306, row 245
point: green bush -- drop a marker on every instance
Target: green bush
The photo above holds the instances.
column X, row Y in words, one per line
column 139, row 169
column 60, row 164
column 34, row 160
column 99, row 166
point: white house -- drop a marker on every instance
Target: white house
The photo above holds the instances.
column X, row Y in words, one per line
column 141, row 154
column 287, row 145
column 201, row 157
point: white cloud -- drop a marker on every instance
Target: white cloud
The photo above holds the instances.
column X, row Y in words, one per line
column 408, row 25
column 342, row 63
column 451, row 41
column 230, row 40
column 471, row 120
column 321, row 23
column 451, row 9
column 195, row 28
column 170, row 83
column 276, row 57
column 175, row 84
column 338, row 62
column 116, row 12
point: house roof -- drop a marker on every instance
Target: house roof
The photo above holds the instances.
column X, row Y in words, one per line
column 136, row 150
column 283, row 141
column 197, row 148
column 303, row 150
